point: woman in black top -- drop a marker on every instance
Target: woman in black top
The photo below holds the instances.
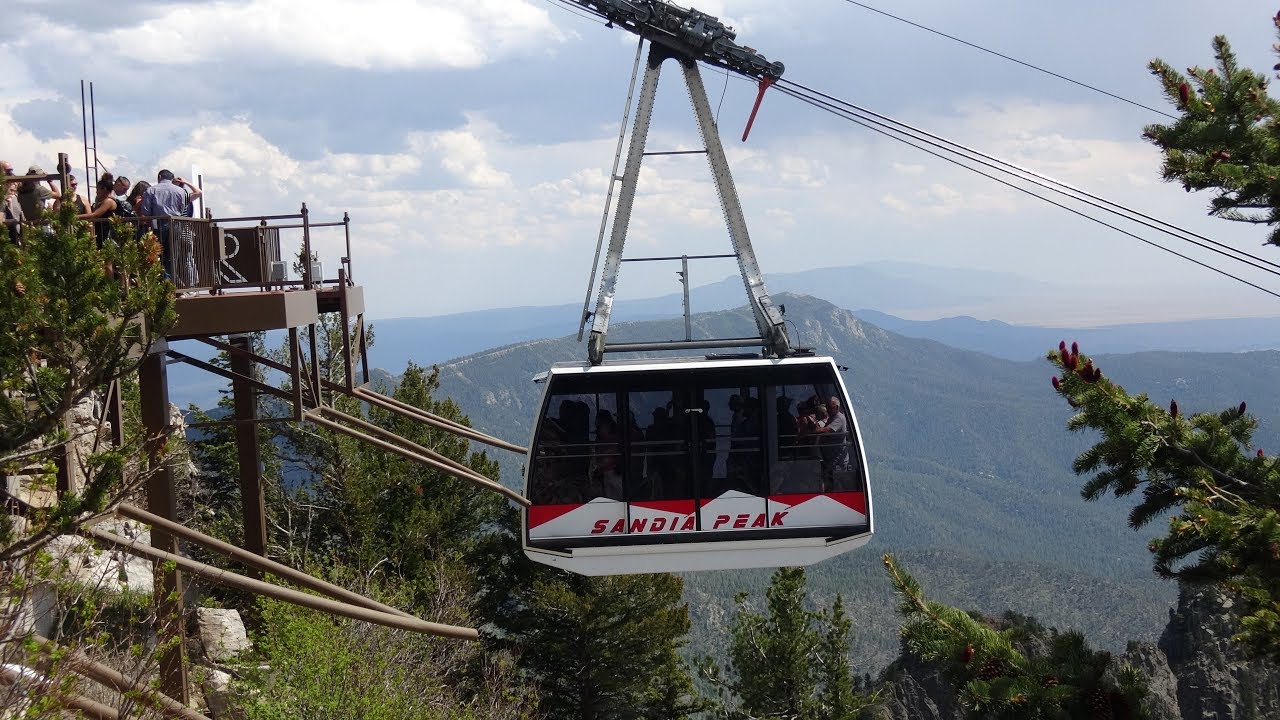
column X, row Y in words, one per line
column 105, row 207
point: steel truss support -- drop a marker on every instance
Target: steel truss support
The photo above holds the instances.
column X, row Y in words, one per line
column 153, row 385
column 255, row 561
column 253, row 502
column 768, row 319
column 360, row 393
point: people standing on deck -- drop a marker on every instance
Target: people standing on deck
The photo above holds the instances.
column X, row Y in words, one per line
column 10, row 208
column 134, row 198
column 34, row 196
column 120, row 189
column 105, row 207
column 163, row 201
column 77, row 199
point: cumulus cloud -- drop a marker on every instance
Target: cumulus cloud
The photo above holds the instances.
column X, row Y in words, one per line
column 375, row 34
column 464, row 153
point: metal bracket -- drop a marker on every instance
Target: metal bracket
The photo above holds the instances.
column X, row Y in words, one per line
column 768, row 319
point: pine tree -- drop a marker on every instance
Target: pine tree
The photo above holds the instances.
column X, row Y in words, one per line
column 1227, row 137
column 995, row 680
column 76, row 317
column 838, row 698
column 601, row 648
column 773, row 655
column 792, row 662
column 1221, row 494
column 212, row 498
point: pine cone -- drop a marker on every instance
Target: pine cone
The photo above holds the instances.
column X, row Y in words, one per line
column 991, row 670
column 1049, row 681
column 966, row 655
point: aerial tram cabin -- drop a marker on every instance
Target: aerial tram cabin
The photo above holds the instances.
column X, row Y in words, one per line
column 702, row 463
column 695, row 464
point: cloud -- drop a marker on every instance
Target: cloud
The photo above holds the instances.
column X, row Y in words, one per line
column 464, row 154
column 47, row 119
column 375, row 34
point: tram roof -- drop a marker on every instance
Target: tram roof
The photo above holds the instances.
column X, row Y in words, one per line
column 710, row 362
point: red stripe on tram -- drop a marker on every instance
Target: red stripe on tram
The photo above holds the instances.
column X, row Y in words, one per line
column 682, row 507
column 853, row 500
column 539, row 514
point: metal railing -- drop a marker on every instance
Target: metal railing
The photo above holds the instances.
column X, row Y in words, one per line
column 217, row 254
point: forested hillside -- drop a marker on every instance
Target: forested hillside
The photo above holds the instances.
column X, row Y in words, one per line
column 971, row 472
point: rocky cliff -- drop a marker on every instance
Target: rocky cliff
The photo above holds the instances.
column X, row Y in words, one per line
column 1194, row 672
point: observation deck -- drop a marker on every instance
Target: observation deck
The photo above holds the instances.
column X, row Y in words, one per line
column 233, row 278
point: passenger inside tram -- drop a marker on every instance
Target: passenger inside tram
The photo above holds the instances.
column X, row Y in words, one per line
column 593, row 445
column 606, row 456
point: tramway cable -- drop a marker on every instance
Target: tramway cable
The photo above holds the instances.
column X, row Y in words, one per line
column 844, row 108
column 574, row 9
column 1063, row 206
column 1212, row 246
column 1011, row 59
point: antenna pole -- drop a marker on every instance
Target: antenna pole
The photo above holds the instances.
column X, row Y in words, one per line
column 684, row 280
column 84, row 128
column 93, row 124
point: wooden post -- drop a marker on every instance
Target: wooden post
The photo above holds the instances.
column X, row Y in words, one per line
column 252, row 500
column 153, row 384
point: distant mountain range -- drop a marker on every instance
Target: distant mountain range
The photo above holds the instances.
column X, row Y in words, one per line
column 1021, row 342
column 889, row 292
column 888, row 287
column 970, row 468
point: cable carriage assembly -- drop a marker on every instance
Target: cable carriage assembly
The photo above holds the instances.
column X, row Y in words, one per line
column 702, row 463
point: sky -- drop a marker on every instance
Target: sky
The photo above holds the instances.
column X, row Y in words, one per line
column 471, row 142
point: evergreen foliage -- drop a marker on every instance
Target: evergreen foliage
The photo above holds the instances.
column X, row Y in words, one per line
column 995, row 679
column 1227, row 137
column 792, row 662
column 597, row 648
column 72, row 324
column 213, row 504
column 1221, row 494
column 77, row 316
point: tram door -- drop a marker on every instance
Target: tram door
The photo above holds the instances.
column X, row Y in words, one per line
column 729, row 458
column 699, row 448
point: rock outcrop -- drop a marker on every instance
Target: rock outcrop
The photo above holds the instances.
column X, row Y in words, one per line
column 1215, row 679
column 1195, row 672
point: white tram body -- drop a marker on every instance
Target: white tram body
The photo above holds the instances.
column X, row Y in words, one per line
column 676, row 465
